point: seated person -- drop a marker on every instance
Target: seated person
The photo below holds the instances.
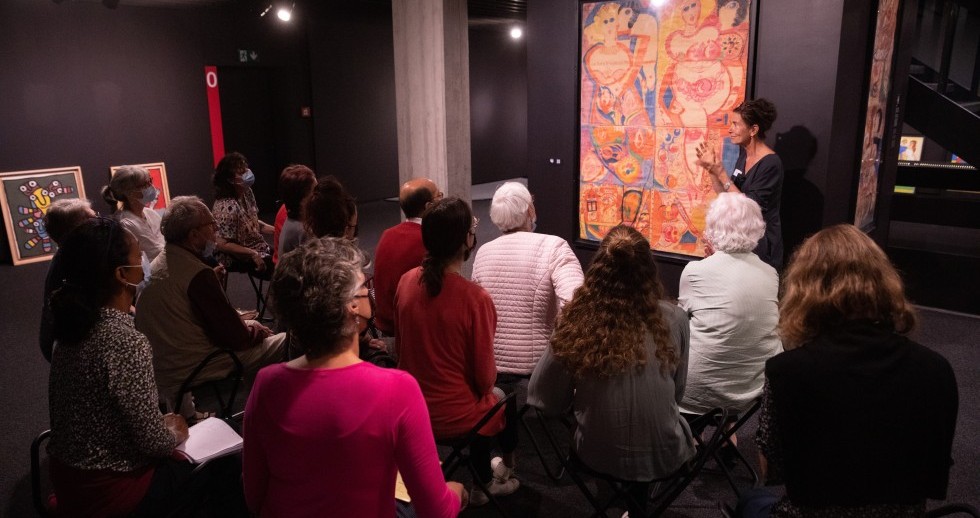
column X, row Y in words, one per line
column 330, row 211
column 327, row 420
column 110, row 446
column 127, row 195
column 529, row 276
column 856, row 419
column 296, row 184
column 444, row 331
column 619, row 358
column 185, row 313
column 241, row 245
column 400, row 248
column 63, row 215
column 731, row 299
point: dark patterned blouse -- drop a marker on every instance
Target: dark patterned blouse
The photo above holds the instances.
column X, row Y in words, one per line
column 103, row 400
column 768, row 439
column 238, row 222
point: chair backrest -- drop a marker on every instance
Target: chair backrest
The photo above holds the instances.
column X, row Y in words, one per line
column 236, row 376
column 39, row 500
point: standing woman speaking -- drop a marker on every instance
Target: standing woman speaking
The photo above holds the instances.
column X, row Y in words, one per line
column 758, row 171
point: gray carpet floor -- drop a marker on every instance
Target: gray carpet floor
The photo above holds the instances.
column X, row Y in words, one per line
column 24, row 377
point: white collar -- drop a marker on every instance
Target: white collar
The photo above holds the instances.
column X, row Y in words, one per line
column 414, row 220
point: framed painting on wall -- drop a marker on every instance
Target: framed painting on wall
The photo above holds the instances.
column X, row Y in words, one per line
column 25, row 197
column 910, row 148
column 656, row 80
column 158, row 174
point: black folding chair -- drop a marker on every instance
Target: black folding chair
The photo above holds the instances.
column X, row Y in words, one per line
column 257, row 280
column 555, row 473
column 183, row 505
column 460, row 454
column 234, row 379
column 39, row 500
column 663, row 491
column 731, row 425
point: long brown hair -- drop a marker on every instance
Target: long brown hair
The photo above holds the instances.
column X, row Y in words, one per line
column 840, row 274
column 603, row 329
column 445, row 226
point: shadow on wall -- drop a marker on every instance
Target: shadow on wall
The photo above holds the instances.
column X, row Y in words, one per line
column 802, row 203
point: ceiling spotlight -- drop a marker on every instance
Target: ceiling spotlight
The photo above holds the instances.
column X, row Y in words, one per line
column 285, row 13
column 516, row 33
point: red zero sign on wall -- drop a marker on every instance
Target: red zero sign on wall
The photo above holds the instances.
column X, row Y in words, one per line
column 214, row 113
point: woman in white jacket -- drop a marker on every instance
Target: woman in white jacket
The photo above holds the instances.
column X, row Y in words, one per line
column 529, row 276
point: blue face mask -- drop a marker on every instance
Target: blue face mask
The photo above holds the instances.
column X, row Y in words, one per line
column 149, row 194
column 248, row 178
column 209, row 249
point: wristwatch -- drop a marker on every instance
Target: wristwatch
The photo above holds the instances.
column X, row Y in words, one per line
column 725, row 186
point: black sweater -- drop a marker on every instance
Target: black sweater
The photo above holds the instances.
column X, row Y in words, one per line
column 864, row 416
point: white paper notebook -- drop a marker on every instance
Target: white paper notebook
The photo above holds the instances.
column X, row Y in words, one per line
column 210, row 438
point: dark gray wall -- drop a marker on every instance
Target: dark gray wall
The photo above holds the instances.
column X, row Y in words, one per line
column 353, row 77
column 85, row 85
column 498, row 104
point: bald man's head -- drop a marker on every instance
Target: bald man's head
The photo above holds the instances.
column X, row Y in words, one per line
column 416, row 194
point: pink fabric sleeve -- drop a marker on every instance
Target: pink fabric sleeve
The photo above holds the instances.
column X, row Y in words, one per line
column 255, row 467
column 416, row 456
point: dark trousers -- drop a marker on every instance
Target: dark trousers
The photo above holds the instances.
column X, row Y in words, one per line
column 217, row 487
column 482, row 446
column 756, row 503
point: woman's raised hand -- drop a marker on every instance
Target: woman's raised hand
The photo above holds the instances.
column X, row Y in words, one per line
column 708, row 158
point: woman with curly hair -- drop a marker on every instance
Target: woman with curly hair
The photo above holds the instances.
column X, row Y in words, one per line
column 241, row 245
column 618, row 357
column 856, row 419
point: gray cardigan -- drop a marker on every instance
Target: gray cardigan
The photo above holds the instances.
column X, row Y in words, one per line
column 628, row 426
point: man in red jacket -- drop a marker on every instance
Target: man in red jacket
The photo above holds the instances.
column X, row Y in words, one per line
column 400, row 248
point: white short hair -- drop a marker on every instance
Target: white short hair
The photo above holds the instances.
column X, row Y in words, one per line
column 508, row 210
column 734, row 223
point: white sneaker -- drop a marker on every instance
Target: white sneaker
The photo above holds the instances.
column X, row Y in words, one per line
column 501, row 472
column 478, row 497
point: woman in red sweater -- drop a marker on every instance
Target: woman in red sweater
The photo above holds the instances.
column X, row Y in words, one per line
column 444, row 327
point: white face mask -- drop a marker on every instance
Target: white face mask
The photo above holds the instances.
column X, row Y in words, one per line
column 131, row 285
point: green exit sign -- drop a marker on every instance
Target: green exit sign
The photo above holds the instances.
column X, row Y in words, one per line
column 247, row 56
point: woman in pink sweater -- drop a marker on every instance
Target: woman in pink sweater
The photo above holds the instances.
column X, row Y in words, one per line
column 326, row 433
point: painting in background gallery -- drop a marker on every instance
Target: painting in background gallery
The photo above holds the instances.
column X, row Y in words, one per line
column 874, row 125
column 910, row 148
column 158, row 175
column 655, row 83
column 25, row 197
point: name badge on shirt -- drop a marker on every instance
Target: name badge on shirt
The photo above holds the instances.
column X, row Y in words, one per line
column 737, row 172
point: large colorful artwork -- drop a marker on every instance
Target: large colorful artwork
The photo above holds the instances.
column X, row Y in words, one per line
column 158, row 175
column 25, row 197
column 874, row 125
column 657, row 81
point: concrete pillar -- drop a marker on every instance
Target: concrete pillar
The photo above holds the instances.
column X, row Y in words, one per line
column 432, row 92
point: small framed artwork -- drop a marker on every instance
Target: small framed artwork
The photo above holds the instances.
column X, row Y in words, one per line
column 910, row 148
column 158, row 174
column 25, row 197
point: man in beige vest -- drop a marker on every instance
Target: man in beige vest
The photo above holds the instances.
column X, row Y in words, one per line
column 185, row 313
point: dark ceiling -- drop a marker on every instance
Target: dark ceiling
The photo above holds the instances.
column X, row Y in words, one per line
column 479, row 10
